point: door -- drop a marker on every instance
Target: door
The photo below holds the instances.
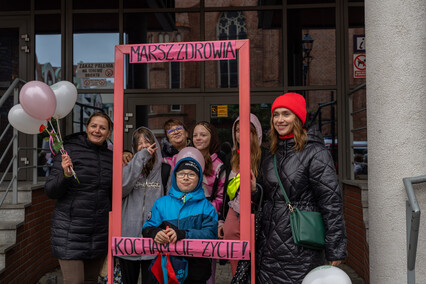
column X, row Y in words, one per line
column 14, row 54
column 219, row 109
column 153, row 110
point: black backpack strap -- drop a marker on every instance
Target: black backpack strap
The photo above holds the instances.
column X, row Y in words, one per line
column 216, row 183
column 165, row 173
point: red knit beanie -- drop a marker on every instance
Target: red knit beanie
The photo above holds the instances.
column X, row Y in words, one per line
column 294, row 102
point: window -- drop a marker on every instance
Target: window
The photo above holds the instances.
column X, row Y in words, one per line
column 231, row 25
column 175, row 108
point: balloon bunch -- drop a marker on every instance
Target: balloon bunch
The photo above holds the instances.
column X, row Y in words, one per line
column 39, row 105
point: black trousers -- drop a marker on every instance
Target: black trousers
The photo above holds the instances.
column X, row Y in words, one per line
column 130, row 271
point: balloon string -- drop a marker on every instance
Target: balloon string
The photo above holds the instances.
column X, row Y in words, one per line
column 50, row 146
column 59, row 129
column 62, row 150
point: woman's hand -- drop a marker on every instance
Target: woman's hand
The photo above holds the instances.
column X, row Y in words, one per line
column 335, row 262
column 220, row 232
column 66, row 165
column 127, row 157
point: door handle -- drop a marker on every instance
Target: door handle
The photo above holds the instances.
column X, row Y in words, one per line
column 25, row 48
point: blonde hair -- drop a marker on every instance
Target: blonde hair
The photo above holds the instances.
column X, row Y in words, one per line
column 255, row 151
column 300, row 136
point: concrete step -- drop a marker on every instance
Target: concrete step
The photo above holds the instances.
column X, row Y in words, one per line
column 24, row 196
column 8, row 231
column 24, row 191
column 3, row 249
column 13, row 213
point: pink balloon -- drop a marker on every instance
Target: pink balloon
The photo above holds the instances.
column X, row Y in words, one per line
column 38, row 100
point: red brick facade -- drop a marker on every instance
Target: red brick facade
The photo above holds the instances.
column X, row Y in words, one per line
column 31, row 257
column 356, row 231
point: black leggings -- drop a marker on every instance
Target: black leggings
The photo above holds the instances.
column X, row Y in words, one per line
column 130, row 271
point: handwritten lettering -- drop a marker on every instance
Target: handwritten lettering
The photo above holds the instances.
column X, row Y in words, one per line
column 178, row 51
column 221, row 249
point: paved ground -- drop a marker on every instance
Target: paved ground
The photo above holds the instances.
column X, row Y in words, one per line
column 223, row 275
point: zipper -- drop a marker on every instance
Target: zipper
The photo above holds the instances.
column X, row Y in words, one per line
column 184, row 202
column 143, row 204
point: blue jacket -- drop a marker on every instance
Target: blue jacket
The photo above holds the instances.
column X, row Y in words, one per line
column 190, row 214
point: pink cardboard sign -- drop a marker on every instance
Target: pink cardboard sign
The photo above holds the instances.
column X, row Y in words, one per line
column 183, row 51
column 188, row 247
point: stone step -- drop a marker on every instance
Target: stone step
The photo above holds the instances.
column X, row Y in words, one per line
column 3, row 249
column 7, row 236
column 25, row 189
column 13, row 213
column 24, row 196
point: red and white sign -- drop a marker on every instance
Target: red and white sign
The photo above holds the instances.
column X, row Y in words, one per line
column 359, row 65
column 95, row 70
column 94, row 82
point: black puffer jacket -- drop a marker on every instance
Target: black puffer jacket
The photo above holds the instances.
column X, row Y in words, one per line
column 80, row 219
column 310, row 183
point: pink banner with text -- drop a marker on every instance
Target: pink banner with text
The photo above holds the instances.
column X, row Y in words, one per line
column 221, row 249
column 183, row 51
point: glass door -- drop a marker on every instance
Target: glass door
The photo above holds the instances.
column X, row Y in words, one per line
column 14, row 53
column 154, row 110
column 221, row 110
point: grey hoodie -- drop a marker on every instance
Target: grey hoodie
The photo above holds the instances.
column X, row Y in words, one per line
column 139, row 194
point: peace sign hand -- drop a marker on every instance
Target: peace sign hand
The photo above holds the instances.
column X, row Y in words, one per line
column 152, row 148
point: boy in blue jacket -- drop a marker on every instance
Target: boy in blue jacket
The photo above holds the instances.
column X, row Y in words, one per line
column 185, row 213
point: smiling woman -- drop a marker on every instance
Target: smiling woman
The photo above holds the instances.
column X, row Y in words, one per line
column 82, row 207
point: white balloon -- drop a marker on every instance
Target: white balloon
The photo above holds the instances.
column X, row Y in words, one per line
column 327, row 274
column 23, row 122
column 66, row 96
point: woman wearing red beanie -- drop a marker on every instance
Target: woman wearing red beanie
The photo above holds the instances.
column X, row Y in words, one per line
column 306, row 171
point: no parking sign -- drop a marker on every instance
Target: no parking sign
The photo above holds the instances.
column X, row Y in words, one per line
column 359, row 65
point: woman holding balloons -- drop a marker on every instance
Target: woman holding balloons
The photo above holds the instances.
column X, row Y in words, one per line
column 79, row 234
column 80, row 179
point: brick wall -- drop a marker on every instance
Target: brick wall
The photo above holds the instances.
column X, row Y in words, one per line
column 31, row 257
column 356, row 231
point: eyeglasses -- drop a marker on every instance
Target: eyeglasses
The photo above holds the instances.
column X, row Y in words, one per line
column 175, row 130
column 189, row 175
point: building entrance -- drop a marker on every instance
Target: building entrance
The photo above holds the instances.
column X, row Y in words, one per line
column 153, row 111
column 14, row 50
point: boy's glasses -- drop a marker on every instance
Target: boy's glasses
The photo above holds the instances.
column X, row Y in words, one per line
column 175, row 130
column 189, row 175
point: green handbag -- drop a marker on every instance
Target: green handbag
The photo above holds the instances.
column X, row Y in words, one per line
column 307, row 227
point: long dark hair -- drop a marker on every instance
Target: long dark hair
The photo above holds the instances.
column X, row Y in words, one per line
column 148, row 136
column 214, row 145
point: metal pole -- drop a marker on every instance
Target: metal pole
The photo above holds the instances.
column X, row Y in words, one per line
column 413, row 224
column 15, row 154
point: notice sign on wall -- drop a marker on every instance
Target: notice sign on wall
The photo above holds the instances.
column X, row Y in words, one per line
column 219, row 111
column 95, row 70
column 359, row 65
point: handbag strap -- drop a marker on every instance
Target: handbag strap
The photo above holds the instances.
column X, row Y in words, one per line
column 281, row 185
